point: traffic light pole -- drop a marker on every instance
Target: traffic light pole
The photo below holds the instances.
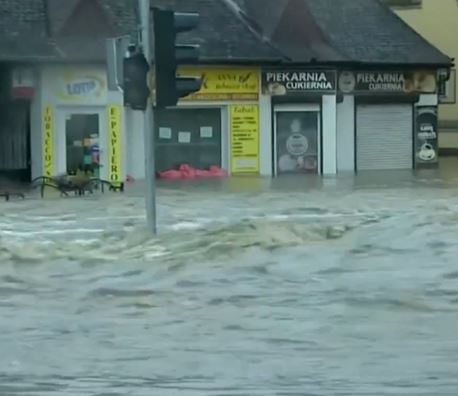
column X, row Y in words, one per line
column 148, row 126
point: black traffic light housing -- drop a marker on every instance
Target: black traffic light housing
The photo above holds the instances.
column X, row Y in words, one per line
column 168, row 55
column 135, row 84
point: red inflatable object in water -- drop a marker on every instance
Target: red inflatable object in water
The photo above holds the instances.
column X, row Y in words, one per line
column 171, row 174
column 187, row 172
column 216, row 171
column 203, row 173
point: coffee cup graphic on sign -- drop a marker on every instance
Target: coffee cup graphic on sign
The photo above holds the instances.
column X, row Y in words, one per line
column 427, row 152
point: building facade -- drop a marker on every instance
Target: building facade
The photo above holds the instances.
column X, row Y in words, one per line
column 82, row 123
column 218, row 126
column 271, row 121
column 437, row 22
column 280, row 96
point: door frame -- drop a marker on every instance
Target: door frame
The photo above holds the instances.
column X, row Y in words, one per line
column 61, row 137
column 299, row 108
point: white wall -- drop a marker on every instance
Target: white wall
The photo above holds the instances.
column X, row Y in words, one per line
column 428, row 100
column 135, row 144
column 53, row 83
column 36, row 131
column 346, row 134
column 265, row 138
column 329, row 132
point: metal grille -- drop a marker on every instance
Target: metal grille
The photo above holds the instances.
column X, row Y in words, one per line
column 13, row 136
column 384, row 138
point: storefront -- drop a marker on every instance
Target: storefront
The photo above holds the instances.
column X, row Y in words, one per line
column 389, row 106
column 82, row 124
column 17, row 91
column 303, row 111
column 218, row 126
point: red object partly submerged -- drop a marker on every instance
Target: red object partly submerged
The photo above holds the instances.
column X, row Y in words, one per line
column 188, row 172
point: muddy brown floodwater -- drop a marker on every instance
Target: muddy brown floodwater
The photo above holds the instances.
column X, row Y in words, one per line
column 297, row 286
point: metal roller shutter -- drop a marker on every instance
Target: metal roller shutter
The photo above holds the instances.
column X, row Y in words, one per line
column 384, row 137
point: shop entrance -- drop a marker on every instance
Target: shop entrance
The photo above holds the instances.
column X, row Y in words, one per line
column 82, row 143
column 297, row 140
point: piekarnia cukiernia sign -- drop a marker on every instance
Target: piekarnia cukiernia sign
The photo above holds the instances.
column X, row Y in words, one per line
column 276, row 82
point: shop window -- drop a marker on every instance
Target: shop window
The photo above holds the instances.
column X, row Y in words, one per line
column 447, row 89
column 188, row 136
column 82, row 144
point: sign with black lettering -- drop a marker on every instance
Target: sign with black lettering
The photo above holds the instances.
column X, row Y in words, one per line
column 279, row 83
column 114, row 144
column 398, row 82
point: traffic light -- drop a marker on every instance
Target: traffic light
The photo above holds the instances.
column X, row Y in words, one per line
column 168, row 55
column 135, row 81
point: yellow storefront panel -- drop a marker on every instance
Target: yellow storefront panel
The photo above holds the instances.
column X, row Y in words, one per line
column 224, row 84
column 244, row 139
column 48, row 141
column 114, row 144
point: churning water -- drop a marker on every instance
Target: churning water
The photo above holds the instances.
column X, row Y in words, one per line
column 343, row 286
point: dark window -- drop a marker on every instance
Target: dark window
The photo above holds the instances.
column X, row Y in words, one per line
column 188, row 136
column 447, row 89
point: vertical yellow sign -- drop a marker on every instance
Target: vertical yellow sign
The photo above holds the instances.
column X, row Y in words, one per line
column 114, row 144
column 244, row 139
column 48, row 141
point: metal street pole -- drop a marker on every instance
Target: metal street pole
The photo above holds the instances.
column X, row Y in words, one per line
column 148, row 125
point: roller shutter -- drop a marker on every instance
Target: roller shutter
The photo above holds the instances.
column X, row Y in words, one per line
column 384, row 137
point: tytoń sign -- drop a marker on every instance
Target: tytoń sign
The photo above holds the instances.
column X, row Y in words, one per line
column 244, row 139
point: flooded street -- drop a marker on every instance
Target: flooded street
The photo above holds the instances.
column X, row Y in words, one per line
column 343, row 286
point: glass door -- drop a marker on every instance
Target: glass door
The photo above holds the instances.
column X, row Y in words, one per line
column 82, row 144
column 297, row 142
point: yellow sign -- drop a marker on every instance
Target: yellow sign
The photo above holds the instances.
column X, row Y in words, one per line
column 48, row 142
column 224, row 84
column 81, row 86
column 244, row 139
column 114, row 144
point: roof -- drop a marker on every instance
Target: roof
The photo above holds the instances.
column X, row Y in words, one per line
column 223, row 34
column 62, row 30
column 76, row 30
column 80, row 27
column 360, row 31
column 289, row 31
column 23, row 32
